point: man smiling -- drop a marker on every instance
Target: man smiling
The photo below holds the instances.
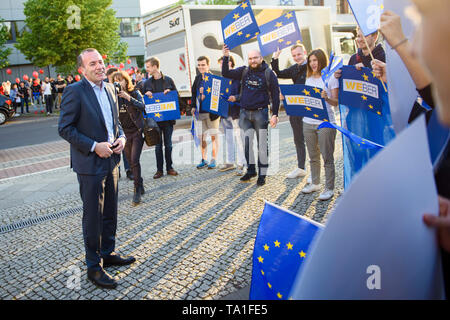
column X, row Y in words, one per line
column 89, row 122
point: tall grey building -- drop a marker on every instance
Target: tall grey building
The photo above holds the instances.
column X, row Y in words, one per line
column 128, row 11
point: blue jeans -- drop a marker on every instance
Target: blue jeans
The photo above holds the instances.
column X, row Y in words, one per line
column 166, row 138
column 24, row 101
column 252, row 122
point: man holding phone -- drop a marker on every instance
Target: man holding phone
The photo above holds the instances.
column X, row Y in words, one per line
column 89, row 122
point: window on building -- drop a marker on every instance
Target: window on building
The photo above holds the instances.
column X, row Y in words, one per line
column 314, row 2
column 342, row 7
column 9, row 28
column 130, row 27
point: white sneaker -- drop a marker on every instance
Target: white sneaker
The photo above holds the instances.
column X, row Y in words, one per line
column 241, row 170
column 310, row 188
column 326, row 195
column 296, row 173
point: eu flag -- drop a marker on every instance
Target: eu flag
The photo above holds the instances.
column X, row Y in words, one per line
column 163, row 107
column 371, row 125
column 281, row 246
column 360, row 142
column 336, row 63
column 367, row 14
column 304, row 101
column 216, row 90
column 279, row 33
column 239, row 25
column 360, row 89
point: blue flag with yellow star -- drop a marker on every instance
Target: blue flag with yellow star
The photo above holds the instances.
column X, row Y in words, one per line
column 336, row 63
column 216, row 90
column 162, row 107
column 304, row 101
column 282, row 244
column 239, row 25
column 373, row 124
column 360, row 89
column 367, row 14
column 279, row 33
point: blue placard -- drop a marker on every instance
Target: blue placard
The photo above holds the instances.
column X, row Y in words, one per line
column 282, row 245
column 239, row 25
column 367, row 14
column 279, row 33
column 360, row 89
column 163, row 107
column 304, row 101
column 216, row 90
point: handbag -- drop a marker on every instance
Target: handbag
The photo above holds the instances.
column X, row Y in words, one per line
column 151, row 131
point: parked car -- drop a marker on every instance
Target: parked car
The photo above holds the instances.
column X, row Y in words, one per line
column 6, row 109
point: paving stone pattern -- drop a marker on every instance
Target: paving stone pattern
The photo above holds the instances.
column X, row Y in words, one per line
column 192, row 236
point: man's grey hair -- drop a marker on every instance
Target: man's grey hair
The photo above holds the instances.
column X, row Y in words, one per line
column 80, row 56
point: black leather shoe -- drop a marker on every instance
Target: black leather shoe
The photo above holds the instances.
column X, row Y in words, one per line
column 117, row 260
column 261, row 181
column 247, row 177
column 101, row 279
column 137, row 196
column 130, row 175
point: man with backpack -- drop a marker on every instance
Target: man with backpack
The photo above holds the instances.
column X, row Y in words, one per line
column 259, row 89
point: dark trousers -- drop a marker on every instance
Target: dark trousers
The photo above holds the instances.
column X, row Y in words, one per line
column 299, row 139
column 166, row 138
column 133, row 150
column 49, row 103
column 99, row 196
column 255, row 122
column 24, row 101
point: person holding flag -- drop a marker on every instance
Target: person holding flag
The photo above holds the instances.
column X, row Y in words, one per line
column 320, row 141
column 231, row 127
column 259, row 89
column 210, row 122
column 158, row 82
column 296, row 72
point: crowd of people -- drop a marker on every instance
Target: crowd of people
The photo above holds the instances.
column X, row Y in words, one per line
column 35, row 91
column 98, row 138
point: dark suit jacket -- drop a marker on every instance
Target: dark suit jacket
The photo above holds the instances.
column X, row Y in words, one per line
column 81, row 123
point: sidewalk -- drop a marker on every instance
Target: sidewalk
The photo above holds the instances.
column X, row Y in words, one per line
column 192, row 235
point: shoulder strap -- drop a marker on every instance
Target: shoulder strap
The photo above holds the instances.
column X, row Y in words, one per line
column 244, row 74
column 267, row 74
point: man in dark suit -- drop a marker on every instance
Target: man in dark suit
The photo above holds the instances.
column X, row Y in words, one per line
column 89, row 122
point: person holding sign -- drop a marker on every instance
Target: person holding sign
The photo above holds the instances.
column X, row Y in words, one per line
column 161, row 83
column 131, row 107
column 259, row 89
column 210, row 121
column 296, row 72
column 320, row 141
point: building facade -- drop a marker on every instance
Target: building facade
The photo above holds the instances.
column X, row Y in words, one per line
column 128, row 11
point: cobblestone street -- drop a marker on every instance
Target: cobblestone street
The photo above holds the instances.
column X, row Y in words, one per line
column 192, row 235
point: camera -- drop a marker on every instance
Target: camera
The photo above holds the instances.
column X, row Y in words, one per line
column 118, row 87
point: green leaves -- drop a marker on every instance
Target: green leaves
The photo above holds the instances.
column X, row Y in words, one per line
column 61, row 29
column 4, row 52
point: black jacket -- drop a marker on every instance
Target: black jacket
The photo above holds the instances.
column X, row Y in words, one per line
column 149, row 85
column 378, row 53
column 255, row 89
column 296, row 72
column 135, row 108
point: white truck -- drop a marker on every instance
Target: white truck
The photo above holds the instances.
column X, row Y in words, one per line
column 181, row 34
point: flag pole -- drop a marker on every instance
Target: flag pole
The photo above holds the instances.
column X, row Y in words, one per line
column 371, row 55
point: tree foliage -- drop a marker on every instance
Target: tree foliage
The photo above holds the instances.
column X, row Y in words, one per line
column 4, row 52
column 58, row 30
